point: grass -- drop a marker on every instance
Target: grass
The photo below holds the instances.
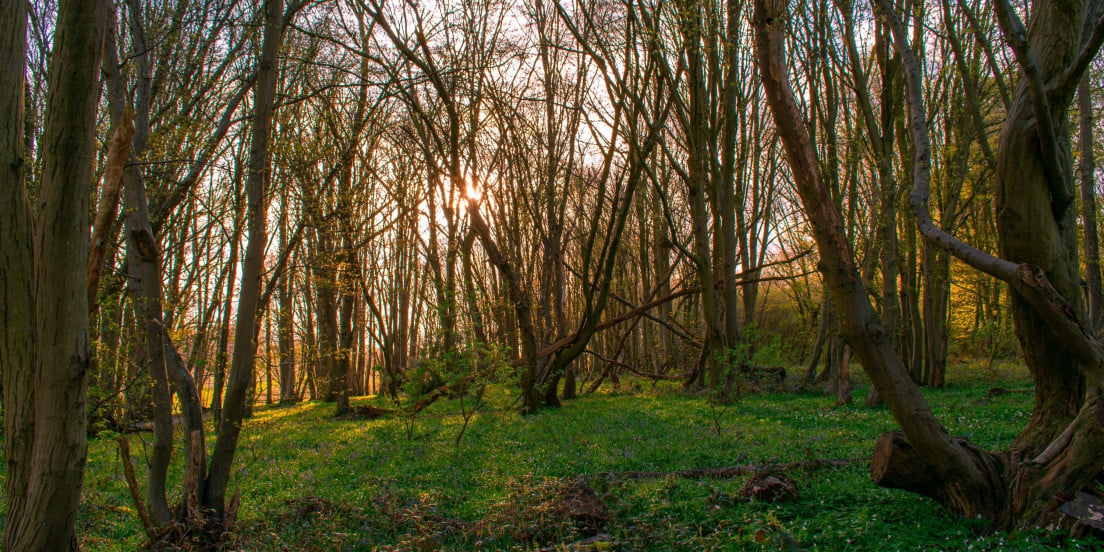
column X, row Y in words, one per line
column 311, row 483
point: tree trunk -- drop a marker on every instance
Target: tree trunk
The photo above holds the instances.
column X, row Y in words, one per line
column 936, row 290
column 45, row 355
column 144, row 261
column 912, row 352
column 1094, row 288
column 285, row 326
column 241, row 368
column 17, row 322
column 223, row 352
column 1036, row 224
column 725, row 188
column 966, row 484
column 325, row 288
column 310, row 343
column 1057, row 454
column 697, row 174
column 343, row 366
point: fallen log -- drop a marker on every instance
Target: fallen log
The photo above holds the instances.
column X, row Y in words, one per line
column 735, row 471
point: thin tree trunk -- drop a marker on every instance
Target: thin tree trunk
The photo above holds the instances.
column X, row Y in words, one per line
column 268, row 360
column 725, row 187
column 325, row 288
column 1088, row 205
column 145, row 281
column 937, row 284
column 343, row 366
column 285, row 329
column 698, row 172
column 223, row 352
column 241, row 368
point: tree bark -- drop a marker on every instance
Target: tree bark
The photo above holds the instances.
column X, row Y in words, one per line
column 1035, row 223
column 285, row 327
column 45, row 355
column 1050, row 458
column 343, row 365
column 241, row 367
column 969, row 490
column 935, row 266
column 17, row 307
column 223, row 351
column 725, row 188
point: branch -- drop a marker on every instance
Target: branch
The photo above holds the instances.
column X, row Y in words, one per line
column 609, row 323
column 970, row 87
column 1066, row 83
column 664, row 377
column 1027, row 280
column 135, row 490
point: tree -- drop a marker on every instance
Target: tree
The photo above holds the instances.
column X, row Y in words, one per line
column 45, row 356
column 1058, row 452
column 245, row 346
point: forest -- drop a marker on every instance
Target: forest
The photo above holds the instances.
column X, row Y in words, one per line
column 551, row 275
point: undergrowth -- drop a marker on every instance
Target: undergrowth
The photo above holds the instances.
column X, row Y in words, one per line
column 312, row 483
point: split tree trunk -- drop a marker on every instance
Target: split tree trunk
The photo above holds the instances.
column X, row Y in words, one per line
column 45, row 356
column 1058, row 453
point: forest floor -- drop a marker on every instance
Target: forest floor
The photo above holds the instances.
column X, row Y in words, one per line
column 309, row 482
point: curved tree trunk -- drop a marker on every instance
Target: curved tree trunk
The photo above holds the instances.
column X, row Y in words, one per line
column 1054, row 456
column 964, row 478
column 1036, row 223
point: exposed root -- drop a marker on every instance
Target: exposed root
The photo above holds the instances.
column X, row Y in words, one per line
column 200, row 534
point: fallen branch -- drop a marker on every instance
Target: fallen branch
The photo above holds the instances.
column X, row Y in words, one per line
column 371, row 412
column 641, row 373
column 365, row 412
column 735, row 471
column 135, row 491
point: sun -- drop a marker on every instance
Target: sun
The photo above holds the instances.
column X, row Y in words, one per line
column 472, row 192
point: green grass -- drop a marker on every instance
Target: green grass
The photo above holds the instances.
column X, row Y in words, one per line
column 309, row 482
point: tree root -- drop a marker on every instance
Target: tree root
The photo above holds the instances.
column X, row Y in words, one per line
column 1009, row 489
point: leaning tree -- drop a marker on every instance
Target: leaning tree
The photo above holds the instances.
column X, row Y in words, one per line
column 1058, row 453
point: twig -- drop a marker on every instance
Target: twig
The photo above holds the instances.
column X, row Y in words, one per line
column 132, row 484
